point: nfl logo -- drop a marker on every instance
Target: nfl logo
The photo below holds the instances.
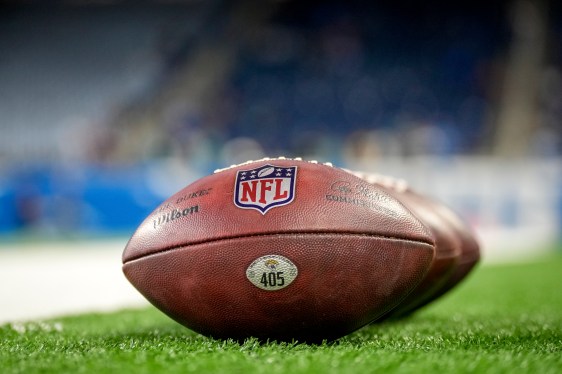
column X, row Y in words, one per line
column 265, row 187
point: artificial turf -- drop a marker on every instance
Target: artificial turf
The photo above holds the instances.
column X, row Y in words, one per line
column 503, row 319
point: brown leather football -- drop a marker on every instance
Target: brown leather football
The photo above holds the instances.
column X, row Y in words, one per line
column 470, row 251
column 278, row 249
column 457, row 250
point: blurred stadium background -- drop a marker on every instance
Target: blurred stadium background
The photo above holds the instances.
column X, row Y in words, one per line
column 108, row 107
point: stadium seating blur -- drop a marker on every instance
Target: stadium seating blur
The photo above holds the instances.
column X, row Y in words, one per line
column 107, row 108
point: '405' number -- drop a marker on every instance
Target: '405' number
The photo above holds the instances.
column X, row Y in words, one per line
column 273, row 279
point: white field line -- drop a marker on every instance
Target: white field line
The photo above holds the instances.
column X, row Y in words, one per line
column 53, row 279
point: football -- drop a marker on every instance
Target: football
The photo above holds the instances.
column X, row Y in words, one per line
column 470, row 251
column 279, row 249
column 457, row 250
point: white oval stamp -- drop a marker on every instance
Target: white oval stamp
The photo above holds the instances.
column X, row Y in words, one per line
column 272, row 272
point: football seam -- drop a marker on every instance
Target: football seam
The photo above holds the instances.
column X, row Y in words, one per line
column 276, row 234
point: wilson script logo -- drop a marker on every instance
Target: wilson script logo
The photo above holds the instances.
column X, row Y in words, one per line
column 173, row 215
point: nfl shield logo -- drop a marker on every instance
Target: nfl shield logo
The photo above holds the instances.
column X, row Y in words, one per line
column 265, row 187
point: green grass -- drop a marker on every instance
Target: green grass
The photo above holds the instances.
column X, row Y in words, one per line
column 503, row 319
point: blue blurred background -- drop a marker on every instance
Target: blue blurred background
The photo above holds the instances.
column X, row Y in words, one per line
column 109, row 107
